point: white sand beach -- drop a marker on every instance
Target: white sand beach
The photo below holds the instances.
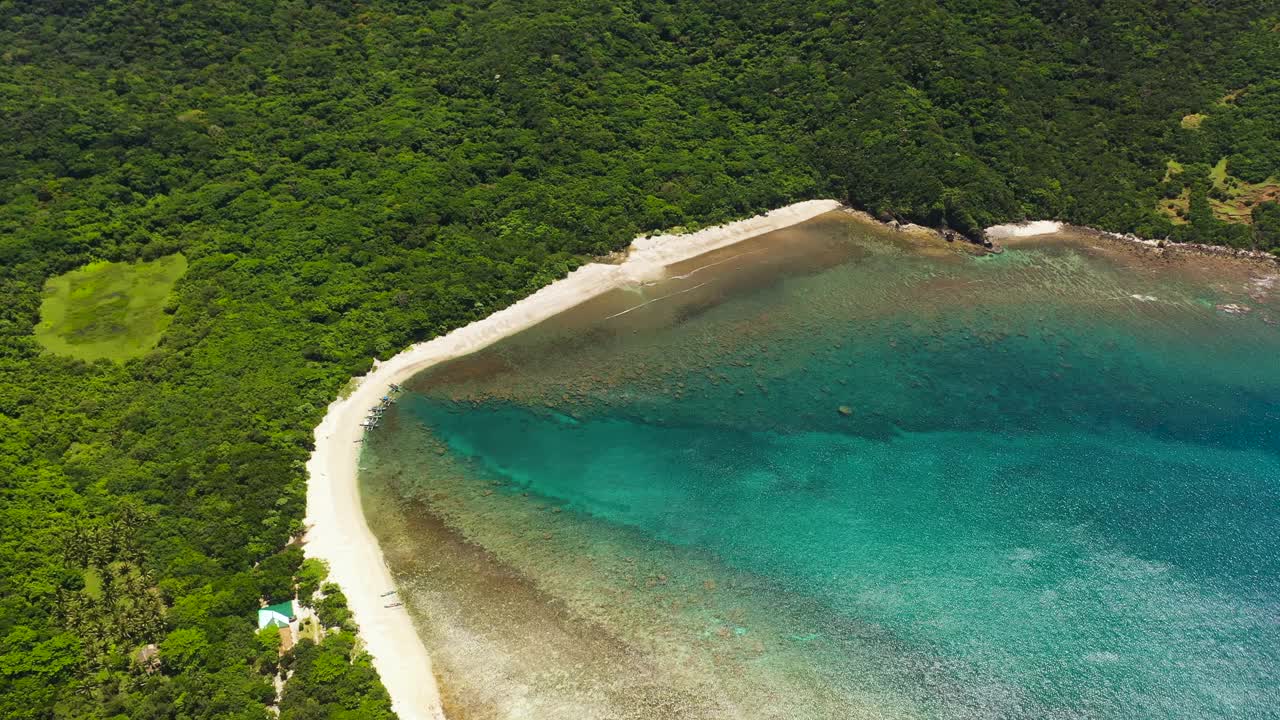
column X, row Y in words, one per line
column 1024, row 229
column 337, row 532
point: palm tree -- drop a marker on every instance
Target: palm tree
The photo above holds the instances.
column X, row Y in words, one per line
column 75, row 546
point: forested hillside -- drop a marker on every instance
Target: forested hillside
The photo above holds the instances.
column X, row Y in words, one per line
column 345, row 178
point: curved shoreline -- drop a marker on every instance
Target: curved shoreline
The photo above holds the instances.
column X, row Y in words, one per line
column 336, row 528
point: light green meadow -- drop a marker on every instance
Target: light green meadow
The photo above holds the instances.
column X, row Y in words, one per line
column 108, row 309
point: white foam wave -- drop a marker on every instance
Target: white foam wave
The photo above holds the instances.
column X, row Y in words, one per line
column 650, row 302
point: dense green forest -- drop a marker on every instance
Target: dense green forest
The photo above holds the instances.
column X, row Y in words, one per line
column 345, row 178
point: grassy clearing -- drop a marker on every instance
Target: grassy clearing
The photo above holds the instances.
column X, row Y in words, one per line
column 1192, row 121
column 1243, row 196
column 108, row 310
column 93, row 584
column 1219, row 174
column 1176, row 209
column 311, row 630
column 1235, row 200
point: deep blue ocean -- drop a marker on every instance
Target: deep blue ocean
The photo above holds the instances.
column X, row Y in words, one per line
column 863, row 479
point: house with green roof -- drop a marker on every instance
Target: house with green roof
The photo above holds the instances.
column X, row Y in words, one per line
column 278, row 615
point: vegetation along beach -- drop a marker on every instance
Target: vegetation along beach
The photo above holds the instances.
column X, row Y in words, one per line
column 370, row 359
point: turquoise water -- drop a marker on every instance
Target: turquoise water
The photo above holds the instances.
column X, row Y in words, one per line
column 1043, row 484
